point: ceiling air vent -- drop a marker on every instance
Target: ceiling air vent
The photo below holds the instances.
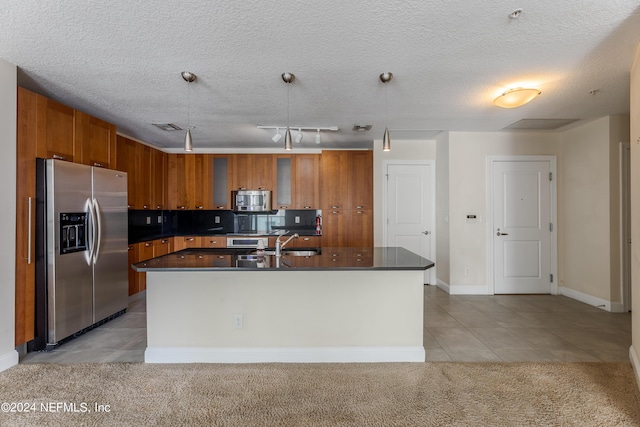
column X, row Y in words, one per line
column 167, row 126
column 361, row 128
column 540, row 124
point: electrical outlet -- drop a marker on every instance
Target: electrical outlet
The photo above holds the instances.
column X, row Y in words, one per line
column 238, row 321
column 216, row 219
column 148, row 220
column 159, row 219
column 467, row 271
column 297, row 220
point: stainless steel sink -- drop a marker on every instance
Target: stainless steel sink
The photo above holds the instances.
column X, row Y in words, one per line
column 291, row 252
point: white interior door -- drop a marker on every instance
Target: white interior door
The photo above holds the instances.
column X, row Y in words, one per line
column 522, row 227
column 409, row 209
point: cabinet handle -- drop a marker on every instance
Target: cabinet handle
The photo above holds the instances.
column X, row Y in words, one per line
column 262, row 188
column 306, row 207
column 29, row 233
column 213, row 241
column 220, row 207
column 100, row 165
column 359, row 212
column 145, row 206
column 128, row 206
column 158, row 206
column 242, row 188
column 334, row 212
column 164, row 241
column 181, row 207
column 189, row 239
column 283, row 207
column 335, row 207
column 359, row 207
column 59, row 157
column 146, row 245
column 199, row 207
column 306, row 239
column 129, row 248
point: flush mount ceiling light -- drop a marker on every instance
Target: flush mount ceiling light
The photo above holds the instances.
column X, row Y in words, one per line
column 386, row 139
column 188, row 77
column 288, row 78
column 516, row 97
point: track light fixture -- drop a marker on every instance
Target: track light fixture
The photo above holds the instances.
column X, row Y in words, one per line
column 288, row 78
column 277, row 136
column 386, row 139
column 188, row 141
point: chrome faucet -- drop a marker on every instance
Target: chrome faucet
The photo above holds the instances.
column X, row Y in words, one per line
column 280, row 246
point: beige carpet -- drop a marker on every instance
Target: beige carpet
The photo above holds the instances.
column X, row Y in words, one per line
column 405, row 394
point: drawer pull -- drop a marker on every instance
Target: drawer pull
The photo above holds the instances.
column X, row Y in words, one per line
column 100, row 165
column 59, row 157
column 180, row 207
column 306, row 207
column 158, row 206
column 189, row 239
column 359, row 207
column 199, row 207
column 335, row 207
column 146, row 245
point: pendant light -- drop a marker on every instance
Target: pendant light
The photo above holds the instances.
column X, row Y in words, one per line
column 288, row 78
column 188, row 141
column 386, row 140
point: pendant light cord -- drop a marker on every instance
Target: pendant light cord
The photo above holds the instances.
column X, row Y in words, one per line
column 288, row 87
column 188, row 106
column 386, row 103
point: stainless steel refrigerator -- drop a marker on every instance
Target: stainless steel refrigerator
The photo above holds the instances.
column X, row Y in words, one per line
column 81, row 248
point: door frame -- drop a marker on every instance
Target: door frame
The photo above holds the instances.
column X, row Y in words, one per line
column 625, row 225
column 432, row 206
column 491, row 160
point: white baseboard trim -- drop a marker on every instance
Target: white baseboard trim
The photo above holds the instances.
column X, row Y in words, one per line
column 470, row 290
column 442, row 285
column 586, row 298
column 283, row 354
column 635, row 363
column 8, row 360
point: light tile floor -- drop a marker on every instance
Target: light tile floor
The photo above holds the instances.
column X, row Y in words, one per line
column 459, row 328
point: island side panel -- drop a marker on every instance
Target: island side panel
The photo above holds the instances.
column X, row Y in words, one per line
column 190, row 316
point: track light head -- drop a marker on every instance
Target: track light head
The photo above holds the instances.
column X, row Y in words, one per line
column 277, row 136
column 299, row 137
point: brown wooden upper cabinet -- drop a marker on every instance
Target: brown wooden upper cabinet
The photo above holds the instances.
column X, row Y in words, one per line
column 253, row 172
column 142, row 177
column 56, row 127
column 307, row 181
column 347, row 179
column 95, row 141
column 189, row 181
column 158, row 179
column 126, row 162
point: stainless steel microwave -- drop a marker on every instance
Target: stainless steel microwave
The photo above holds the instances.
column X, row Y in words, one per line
column 252, row 200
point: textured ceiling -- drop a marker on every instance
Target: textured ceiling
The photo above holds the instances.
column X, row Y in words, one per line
column 121, row 61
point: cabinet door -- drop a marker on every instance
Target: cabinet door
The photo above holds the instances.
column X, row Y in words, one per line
column 199, row 183
column 262, row 177
column 25, row 216
column 360, row 228
column 360, row 180
column 158, row 179
column 334, row 179
column 162, row 247
column 126, row 162
column 95, row 141
column 242, row 177
column 177, row 188
column 334, row 228
column 307, row 173
column 284, row 184
column 145, row 252
column 134, row 276
column 222, row 176
column 143, row 177
column 55, row 134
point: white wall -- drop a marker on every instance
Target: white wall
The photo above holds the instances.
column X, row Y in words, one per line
column 8, row 117
column 400, row 150
column 589, row 209
column 468, row 153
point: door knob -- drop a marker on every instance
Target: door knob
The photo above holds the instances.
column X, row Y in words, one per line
column 501, row 234
column 426, row 233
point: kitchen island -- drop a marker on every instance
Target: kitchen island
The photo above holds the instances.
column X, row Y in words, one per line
column 339, row 305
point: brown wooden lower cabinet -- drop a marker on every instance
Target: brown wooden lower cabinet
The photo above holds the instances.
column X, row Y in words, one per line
column 214, row 241
column 162, row 246
column 347, row 228
column 306, row 242
column 184, row 242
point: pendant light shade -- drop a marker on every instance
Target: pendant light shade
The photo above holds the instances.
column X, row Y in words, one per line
column 287, row 140
column 188, row 77
column 288, row 78
column 386, row 139
column 188, row 142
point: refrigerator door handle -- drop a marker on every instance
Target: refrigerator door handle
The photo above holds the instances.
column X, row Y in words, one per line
column 98, row 214
column 91, row 235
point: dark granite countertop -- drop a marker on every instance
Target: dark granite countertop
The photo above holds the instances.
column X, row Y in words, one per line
column 225, row 259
